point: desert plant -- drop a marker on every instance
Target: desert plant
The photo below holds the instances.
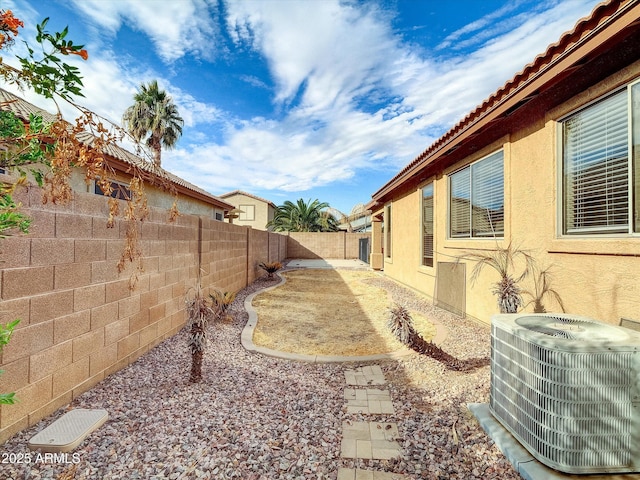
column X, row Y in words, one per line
column 5, row 335
column 270, row 268
column 11, row 219
column 199, row 312
column 222, row 301
column 401, row 325
column 541, row 288
column 502, row 260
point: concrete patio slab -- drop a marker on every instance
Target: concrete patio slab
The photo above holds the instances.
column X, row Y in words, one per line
column 328, row 263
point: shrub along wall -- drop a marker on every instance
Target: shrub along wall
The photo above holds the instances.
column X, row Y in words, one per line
column 80, row 321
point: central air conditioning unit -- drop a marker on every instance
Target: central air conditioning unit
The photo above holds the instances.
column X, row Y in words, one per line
column 567, row 388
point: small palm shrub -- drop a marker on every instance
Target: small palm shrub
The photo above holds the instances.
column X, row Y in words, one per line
column 199, row 312
column 222, row 301
column 502, row 260
column 541, row 289
column 401, row 325
column 270, row 268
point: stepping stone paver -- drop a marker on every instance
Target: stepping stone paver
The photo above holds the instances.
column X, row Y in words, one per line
column 368, row 401
column 370, row 440
column 359, row 474
column 363, row 376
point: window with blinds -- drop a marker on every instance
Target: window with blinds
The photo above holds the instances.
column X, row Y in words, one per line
column 596, row 167
column 476, row 199
column 387, row 228
column 427, row 225
column 635, row 120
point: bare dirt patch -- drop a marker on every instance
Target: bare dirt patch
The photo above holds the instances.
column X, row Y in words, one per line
column 329, row 312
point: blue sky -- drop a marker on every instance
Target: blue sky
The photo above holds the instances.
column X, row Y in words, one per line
column 291, row 99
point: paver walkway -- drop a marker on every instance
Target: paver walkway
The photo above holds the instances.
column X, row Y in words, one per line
column 370, row 375
column 368, row 440
column 368, row 400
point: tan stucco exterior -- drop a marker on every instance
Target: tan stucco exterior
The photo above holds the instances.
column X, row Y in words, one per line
column 255, row 211
column 156, row 197
column 595, row 275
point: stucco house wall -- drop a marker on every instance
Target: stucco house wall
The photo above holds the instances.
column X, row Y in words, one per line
column 256, row 212
column 596, row 275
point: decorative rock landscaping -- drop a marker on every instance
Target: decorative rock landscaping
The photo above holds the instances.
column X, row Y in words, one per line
column 255, row 417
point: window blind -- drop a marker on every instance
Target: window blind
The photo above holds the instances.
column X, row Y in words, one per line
column 427, row 226
column 477, row 199
column 387, row 226
column 596, row 163
column 460, row 211
column 635, row 120
column 487, row 188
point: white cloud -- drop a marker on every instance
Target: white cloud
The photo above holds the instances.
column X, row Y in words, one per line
column 330, row 55
column 329, row 48
column 327, row 59
column 175, row 27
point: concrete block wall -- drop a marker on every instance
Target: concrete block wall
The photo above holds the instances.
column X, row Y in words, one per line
column 224, row 258
column 80, row 320
column 259, row 248
column 337, row 245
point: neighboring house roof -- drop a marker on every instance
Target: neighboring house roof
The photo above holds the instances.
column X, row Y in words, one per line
column 240, row 192
column 23, row 109
column 567, row 67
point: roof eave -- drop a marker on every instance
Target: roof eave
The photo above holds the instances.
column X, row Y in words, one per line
column 551, row 72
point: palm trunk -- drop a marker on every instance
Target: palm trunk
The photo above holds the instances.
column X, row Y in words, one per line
column 156, row 150
column 196, row 367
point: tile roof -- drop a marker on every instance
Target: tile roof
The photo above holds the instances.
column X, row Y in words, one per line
column 584, row 29
column 23, row 108
column 240, row 192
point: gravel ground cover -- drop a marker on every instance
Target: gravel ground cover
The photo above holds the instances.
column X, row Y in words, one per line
column 255, row 417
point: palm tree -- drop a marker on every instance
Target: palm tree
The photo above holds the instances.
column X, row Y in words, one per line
column 153, row 118
column 303, row 217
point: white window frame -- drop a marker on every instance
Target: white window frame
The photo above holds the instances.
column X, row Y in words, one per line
column 388, row 220
column 632, row 227
column 423, row 221
column 245, row 216
column 471, row 169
